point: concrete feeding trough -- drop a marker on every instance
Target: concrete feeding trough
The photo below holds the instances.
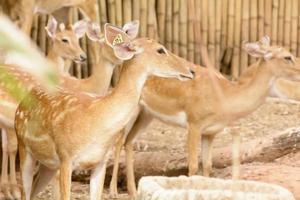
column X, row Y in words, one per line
column 203, row 188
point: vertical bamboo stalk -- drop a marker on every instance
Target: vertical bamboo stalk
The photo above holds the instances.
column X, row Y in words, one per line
column 183, row 29
column 235, row 67
column 287, row 25
column 198, row 27
column 176, row 27
column 294, row 27
column 136, row 9
column 230, row 32
column 253, row 24
column 35, row 28
column 143, row 19
column 119, row 18
column 245, row 33
column 268, row 17
column 103, row 12
column 211, row 31
column 224, row 27
column 169, row 36
column 152, row 26
column 42, row 33
column 281, row 22
column 77, row 66
column 274, row 36
column 204, row 24
column 218, row 33
column 161, row 15
column 261, row 13
column 112, row 11
column 298, row 34
column 127, row 11
column 191, row 50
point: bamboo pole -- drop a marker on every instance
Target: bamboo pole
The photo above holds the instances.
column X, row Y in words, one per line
column 161, row 15
column 260, row 22
column 298, row 35
column 169, row 35
column 274, row 35
column 245, row 33
column 183, row 29
column 235, row 67
column 198, row 27
column 224, row 27
column 253, row 24
column 127, row 11
column 151, row 23
column 136, row 9
column 112, row 11
column 211, row 31
column 218, row 33
column 119, row 13
column 77, row 66
column 176, row 27
column 42, row 32
column 204, row 25
column 230, row 33
column 281, row 22
column 191, row 50
column 287, row 25
column 143, row 18
column 294, row 27
column 35, row 28
column 103, row 12
column 268, row 17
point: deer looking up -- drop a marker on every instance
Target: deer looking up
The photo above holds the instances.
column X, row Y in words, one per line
column 196, row 106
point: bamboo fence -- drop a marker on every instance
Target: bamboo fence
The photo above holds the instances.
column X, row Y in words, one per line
column 223, row 26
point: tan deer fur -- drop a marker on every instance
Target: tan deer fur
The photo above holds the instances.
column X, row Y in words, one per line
column 65, row 116
column 196, row 106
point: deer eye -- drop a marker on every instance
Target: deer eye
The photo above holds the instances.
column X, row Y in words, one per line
column 161, row 51
column 64, row 40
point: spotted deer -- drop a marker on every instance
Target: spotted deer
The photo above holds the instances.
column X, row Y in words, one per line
column 44, row 127
column 196, row 106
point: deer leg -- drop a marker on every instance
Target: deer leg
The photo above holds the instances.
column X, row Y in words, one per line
column 65, row 179
column 4, row 171
column 97, row 181
column 113, row 187
column 27, row 165
column 236, row 155
column 139, row 126
column 12, row 149
column 207, row 154
column 193, row 142
column 42, row 179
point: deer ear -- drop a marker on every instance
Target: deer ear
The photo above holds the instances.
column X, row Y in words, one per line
column 114, row 35
column 51, row 27
column 126, row 51
column 265, row 40
column 132, row 29
column 93, row 32
column 254, row 49
column 79, row 28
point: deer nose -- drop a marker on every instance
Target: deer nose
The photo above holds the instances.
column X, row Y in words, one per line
column 83, row 57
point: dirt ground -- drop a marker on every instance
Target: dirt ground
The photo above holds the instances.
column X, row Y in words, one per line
column 272, row 117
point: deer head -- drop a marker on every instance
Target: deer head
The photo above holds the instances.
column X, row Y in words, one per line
column 66, row 41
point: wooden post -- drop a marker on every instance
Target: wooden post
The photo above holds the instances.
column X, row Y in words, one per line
column 268, row 17
column 198, row 40
column 136, row 10
column 152, row 26
column 211, row 32
column 230, row 33
column 294, row 27
column 260, row 21
column 191, row 20
column 218, row 33
column 112, row 11
column 224, row 28
column 281, row 22
column 143, row 19
column 103, row 12
column 127, row 11
column 287, row 25
column 119, row 13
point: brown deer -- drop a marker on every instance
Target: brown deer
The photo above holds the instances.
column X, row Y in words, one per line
column 196, row 106
column 44, row 127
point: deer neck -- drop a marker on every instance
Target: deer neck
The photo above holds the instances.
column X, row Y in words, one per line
column 121, row 104
column 243, row 98
column 102, row 73
column 58, row 61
